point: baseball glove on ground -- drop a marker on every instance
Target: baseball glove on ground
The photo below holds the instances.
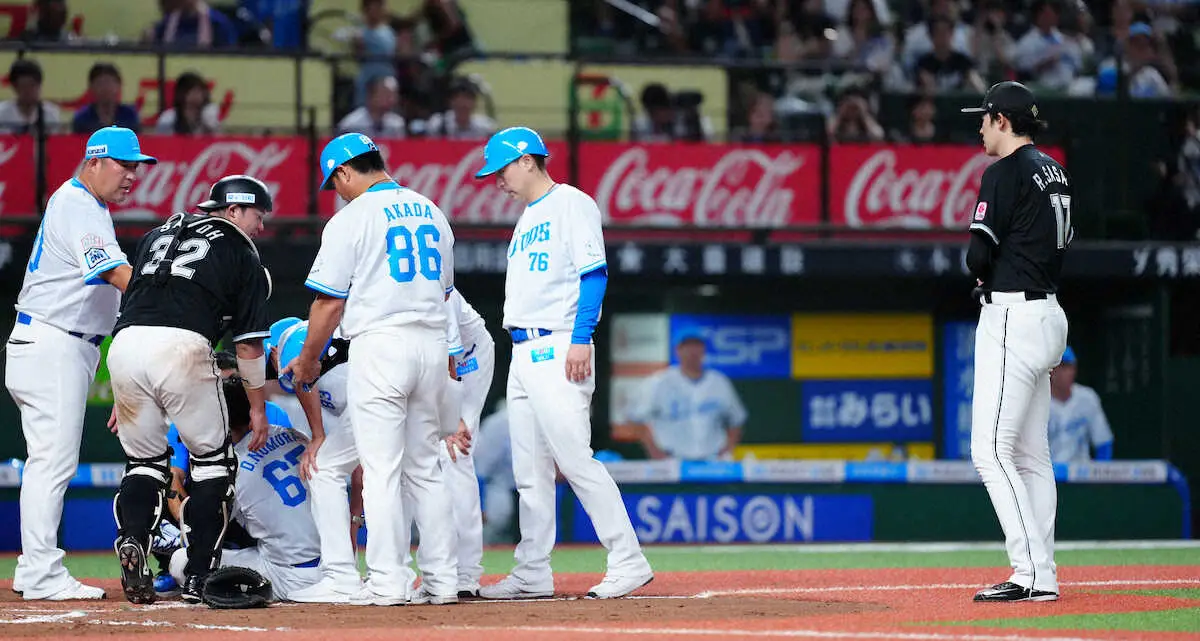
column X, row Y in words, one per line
column 235, row 588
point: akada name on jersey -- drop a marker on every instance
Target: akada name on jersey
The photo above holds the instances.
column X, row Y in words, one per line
column 410, row 210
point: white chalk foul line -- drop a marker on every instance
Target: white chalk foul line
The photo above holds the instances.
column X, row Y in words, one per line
column 58, row 617
column 929, row 586
column 767, row 634
column 836, row 548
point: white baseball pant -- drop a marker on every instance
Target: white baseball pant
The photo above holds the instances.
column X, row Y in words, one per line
column 285, row 579
column 164, row 375
column 48, row 373
column 1017, row 343
column 394, row 388
column 464, row 400
column 550, row 421
column 336, row 461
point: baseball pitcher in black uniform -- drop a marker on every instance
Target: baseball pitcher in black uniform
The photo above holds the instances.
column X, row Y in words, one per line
column 194, row 278
column 1019, row 233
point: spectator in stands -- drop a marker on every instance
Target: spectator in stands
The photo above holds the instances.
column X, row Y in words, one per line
column 854, row 120
column 656, row 123
column 376, row 45
column 814, row 30
column 447, row 22
column 992, row 45
column 1141, row 64
column 917, row 39
column 761, row 125
column 20, row 114
column 1078, row 425
column 378, row 117
column 842, row 11
column 922, row 116
column 104, row 88
column 285, row 20
column 740, row 28
column 945, row 69
column 194, row 112
column 50, row 23
column 192, row 24
column 1044, row 55
column 461, row 122
column 862, row 40
column 688, row 411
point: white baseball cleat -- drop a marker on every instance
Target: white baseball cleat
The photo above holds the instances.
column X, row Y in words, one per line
column 508, row 589
column 367, row 596
column 615, row 587
column 423, row 597
column 325, row 591
column 76, row 591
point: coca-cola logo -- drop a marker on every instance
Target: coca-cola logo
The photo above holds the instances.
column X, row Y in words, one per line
column 177, row 185
column 744, row 188
column 6, row 154
column 452, row 185
column 881, row 194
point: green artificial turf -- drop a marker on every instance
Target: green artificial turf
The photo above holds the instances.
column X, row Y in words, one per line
column 1181, row 620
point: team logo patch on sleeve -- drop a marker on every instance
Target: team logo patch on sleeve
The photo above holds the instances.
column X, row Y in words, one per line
column 91, row 240
column 95, row 256
column 980, row 211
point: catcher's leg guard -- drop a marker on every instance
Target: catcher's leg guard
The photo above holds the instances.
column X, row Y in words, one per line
column 137, row 509
column 205, row 511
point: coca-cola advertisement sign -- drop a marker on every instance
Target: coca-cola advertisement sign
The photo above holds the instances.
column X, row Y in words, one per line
column 685, row 185
column 916, row 187
column 188, row 166
column 444, row 171
column 17, row 176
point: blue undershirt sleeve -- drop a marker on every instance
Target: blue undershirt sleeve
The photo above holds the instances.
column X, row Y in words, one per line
column 1104, row 451
column 591, row 296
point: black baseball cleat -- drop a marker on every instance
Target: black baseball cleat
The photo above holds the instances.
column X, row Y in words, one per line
column 193, row 588
column 135, row 572
column 1009, row 592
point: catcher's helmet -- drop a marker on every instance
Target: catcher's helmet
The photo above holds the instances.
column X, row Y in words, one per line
column 238, row 190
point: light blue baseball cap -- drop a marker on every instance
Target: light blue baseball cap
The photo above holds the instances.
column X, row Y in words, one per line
column 117, row 143
column 341, row 149
column 290, row 345
column 1068, row 357
column 277, row 329
column 508, row 145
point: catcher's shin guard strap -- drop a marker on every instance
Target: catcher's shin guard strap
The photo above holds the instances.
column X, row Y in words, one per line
column 205, row 513
column 154, row 467
column 219, row 463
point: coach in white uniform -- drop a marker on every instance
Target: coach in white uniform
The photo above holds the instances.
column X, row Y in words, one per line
column 1077, row 421
column 554, row 288
column 67, row 304
column 689, row 411
column 383, row 271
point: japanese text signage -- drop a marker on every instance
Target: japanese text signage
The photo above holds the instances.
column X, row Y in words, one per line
column 958, row 385
column 871, row 411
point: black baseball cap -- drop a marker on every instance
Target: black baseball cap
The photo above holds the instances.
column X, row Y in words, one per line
column 1009, row 98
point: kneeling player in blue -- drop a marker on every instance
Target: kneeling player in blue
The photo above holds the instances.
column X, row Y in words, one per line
column 271, row 525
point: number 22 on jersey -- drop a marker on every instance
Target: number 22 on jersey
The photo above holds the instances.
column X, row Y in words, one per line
column 413, row 252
